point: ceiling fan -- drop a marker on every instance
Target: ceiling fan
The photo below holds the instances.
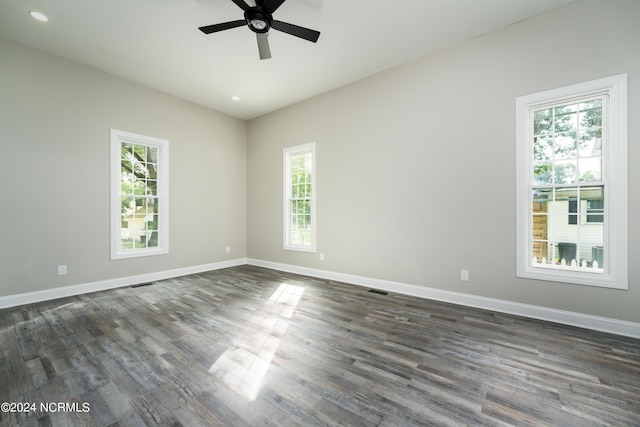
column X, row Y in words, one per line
column 259, row 19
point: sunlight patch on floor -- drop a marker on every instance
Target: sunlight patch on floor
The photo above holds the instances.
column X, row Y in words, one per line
column 244, row 365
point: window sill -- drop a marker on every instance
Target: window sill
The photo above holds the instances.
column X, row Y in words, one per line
column 300, row 249
column 139, row 253
column 573, row 275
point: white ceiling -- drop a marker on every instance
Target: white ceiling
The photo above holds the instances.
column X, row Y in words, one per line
column 157, row 42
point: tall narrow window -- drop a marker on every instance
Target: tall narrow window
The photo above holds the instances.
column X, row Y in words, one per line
column 299, row 198
column 139, row 195
column 572, row 184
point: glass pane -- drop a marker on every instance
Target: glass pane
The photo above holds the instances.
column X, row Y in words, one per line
column 307, row 162
column 590, row 170
column 126, row 150
column 140, row 204
column 130, row 233
column 141, row 207
column 594, row 203
column 565, row 207
column 540, row 251
column 152, row 239
column 152, row 155
column 597, row 256
column 595, row 211
column 152, row 205
column 565, row 145
column 542, row 197
column 126, row 170
column 542, row 121
column 591, row 247
column 151, row 222
column 567, row 252
column 564, row 194
column 295, row 162
column 590, row 115
column 127, row 206
column 542, row 148
column 592, row 193
column 595, row 103
column 141, row 171
column 566, row 122
column 152, row 188
column 139, row 187
column 140, row 152
column 543, row 173
column 125, row 187
column 127, row 244
column 566, row 109
column 590, row 145
column 152, row 171
column 300, row 222
column 565, row 171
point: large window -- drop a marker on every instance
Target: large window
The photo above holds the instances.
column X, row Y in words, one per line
column 299, row 198
column 139, row 195
column 572, row 184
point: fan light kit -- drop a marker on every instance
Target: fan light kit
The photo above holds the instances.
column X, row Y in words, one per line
column 259, row 19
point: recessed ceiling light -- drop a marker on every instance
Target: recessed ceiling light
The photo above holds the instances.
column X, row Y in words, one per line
column 38, row 16
column 235, row 98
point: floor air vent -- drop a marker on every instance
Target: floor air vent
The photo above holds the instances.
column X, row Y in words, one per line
column 141, row 285
column 376, row 291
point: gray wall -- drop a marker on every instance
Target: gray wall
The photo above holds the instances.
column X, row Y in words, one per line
column 416, row 165
column 55, row 119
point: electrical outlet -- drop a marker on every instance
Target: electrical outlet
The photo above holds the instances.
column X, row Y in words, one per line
column 321, row 256
column 62, row 270
column 228, row 249
column 464, row 275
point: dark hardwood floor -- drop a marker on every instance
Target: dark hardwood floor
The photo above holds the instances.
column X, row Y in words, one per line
column 248, row 346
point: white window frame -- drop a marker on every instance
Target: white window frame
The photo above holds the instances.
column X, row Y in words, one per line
column 615, row 179
column 119, row 137
column 287, row 154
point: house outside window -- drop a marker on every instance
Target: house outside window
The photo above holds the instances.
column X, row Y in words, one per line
column 572, row 184
column 139, row 195
column 300, row 198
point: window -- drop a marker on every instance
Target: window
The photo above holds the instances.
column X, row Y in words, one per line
column 299, row 198
column 572, row 184
column 139, row 195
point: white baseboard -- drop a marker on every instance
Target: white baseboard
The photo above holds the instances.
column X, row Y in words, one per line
column 102, row 285
column 614, row 326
